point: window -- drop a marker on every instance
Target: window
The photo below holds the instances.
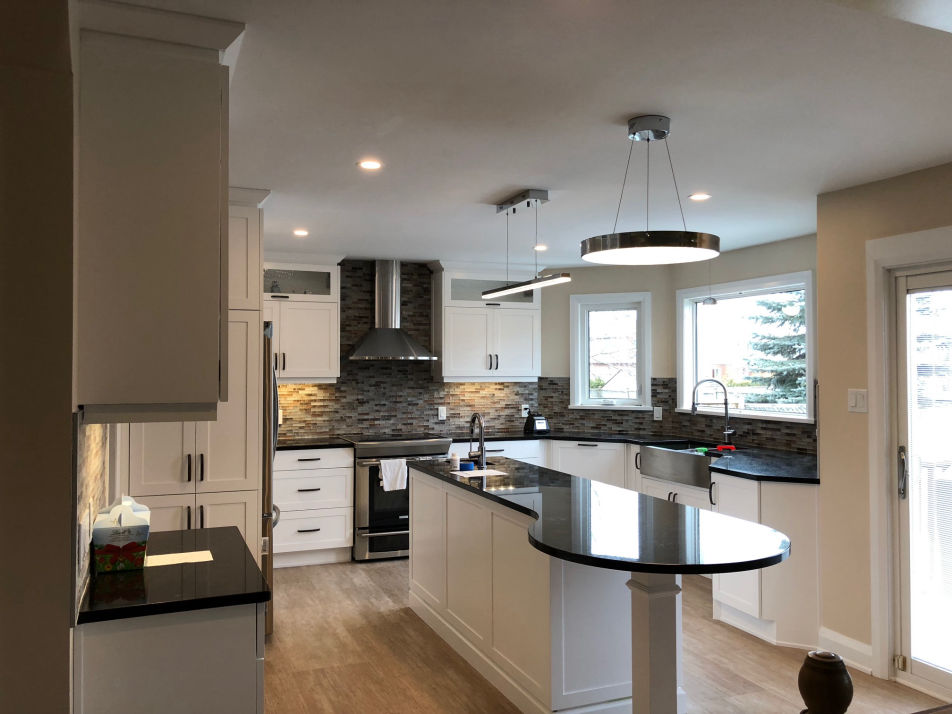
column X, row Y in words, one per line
column 610, row 351
column 757, row 339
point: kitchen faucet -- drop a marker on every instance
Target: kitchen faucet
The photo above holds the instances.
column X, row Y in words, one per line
column 473, row 420
column 728, row 432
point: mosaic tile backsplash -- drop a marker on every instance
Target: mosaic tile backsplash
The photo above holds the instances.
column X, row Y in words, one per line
column 402, row 397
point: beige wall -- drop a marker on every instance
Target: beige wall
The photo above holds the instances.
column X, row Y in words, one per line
column 845, row 221
column 36, row 356
column 662, row 282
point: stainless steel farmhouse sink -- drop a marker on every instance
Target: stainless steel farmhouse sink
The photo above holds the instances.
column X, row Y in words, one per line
column 678, row 462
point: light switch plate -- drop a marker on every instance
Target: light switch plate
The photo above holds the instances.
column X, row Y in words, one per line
column 857, row 400
column 280, row 417
column 657, row 413
column 524, row 410
column 441, row 413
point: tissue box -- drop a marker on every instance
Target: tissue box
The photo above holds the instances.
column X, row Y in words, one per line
column 120, row 535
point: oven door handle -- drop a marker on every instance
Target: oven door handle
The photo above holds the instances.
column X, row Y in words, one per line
column 375, row 462
column 385, row 533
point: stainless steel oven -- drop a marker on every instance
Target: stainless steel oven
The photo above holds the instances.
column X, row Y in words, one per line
column 382, row 518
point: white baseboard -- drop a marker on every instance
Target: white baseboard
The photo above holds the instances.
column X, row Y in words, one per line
column 312, row 557
column 856, row 654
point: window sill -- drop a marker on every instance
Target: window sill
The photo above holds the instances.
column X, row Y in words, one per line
column 612, row 407
column 749, row 415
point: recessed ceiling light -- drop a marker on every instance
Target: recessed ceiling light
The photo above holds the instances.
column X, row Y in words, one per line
column 369, row 164
column 300, row 232
column 540, row 247
column 699, row 196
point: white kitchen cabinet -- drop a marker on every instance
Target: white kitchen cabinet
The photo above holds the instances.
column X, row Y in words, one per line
column 231, row 508
column 314, row 493
column 301, row 282
column 529, row 450
column 598, row 461
column 170, row 513
column 306, row 339
column 676, row 492
column 480, row 340
column 491, row 343
column 739, row 498
column 656, row 487
column 152, row 231
column 167, row 458
column 244, row 257
column 633, row 468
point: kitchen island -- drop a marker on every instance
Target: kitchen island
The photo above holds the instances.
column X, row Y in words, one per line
column 522, row 573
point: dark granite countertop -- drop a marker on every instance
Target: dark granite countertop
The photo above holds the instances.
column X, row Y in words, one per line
column 609, row 527
column 754, row 463
column 231, row 578
column 312, row 442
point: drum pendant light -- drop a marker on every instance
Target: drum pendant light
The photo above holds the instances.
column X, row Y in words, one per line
column 649, row 247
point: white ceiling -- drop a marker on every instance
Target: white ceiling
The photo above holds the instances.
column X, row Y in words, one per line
column 466, row 102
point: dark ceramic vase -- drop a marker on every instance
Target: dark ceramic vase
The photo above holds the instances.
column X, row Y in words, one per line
column 824, row 683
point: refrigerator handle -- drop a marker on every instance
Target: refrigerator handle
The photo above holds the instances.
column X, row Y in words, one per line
column 276, row 515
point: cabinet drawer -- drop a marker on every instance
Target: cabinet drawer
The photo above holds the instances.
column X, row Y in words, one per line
column 313, row 488
column 313, row 459
column 314, row 529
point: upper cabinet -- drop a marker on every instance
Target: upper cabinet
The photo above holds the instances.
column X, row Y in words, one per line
column 152, row 243
column 304, row 308
column 484, row 340
column 245, row 248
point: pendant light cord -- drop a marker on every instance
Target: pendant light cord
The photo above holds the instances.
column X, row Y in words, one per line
column 507, row 244
column 536, row 237
column 631, row 146
column 675, row 181
column 647, row 180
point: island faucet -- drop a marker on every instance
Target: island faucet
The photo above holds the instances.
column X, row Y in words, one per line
column 728, row 432
column 481, row 454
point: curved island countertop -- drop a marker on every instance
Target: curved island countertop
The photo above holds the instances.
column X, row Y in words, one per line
column 605, row 526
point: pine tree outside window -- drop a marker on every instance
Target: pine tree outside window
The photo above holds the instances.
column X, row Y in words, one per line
column 757, row 339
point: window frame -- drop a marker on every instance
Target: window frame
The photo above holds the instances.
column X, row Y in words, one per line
column 687, row 300
column 579, row 306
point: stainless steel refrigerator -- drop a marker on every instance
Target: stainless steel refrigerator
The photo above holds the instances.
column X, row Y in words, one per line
column 269, row 512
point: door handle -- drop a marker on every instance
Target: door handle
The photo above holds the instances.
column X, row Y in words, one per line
column 494, row 451
column 490, row 361
column 201, row 467
column 284, row 361
column 669, row 495
column 308, row 490
column 638, row 460
column 308, row 530
column 275, row 361
column 275, row 515
column 674, row 497
column 201, row 516
column 313, row 458
column 188, row 463
column 385, row 533
column 497, row 362
column 188, row 518
column 710, row 493
column 592, row 446
column 903, row 472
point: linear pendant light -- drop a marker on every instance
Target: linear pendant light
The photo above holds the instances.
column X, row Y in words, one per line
column 649, row 247
column 532, row 196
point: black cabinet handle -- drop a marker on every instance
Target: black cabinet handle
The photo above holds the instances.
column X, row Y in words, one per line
column 284, row 361
column 490, row 361
column 497, row 362
column 280, row 297
column 638, row 460
column 308, row 490
column 201, row 516
column 188, row 518
column 307, row 530
column 592, row 446
column 201, row 467
column 669, row 495
column 494, row 451
column 493, row 304
column 674, row 497
column 710, row 493
column 313, row 458
column 275, row 361
column 188, row 463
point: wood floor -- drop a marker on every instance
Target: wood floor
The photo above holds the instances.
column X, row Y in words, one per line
column 345, row 641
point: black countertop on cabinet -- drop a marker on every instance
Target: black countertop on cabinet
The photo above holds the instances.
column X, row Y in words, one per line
column 609, row 527
column 312, row 442
column 750, row 463
column 231, row 578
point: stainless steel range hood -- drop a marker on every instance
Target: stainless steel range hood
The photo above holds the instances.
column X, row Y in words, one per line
column 386, row 340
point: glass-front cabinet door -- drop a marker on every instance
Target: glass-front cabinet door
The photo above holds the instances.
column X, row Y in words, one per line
column 312, row 283
column 468, row 291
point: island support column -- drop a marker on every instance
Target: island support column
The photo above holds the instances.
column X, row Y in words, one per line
column 656, row 644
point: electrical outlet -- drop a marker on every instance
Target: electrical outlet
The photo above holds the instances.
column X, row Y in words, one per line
column 657, row 413
column 441, row 413
column 524, row 410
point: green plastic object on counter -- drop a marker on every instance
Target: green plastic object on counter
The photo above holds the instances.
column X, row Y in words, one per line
column 702, row 449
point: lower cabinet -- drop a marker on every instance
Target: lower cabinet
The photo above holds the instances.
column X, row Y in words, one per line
column 739, row 498
column 314, row 494
column 676, row 492
column 633, row 468
column 529, row 450
column 597, row 461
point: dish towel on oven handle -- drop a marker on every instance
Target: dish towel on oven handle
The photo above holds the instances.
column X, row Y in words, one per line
column 393, row 474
